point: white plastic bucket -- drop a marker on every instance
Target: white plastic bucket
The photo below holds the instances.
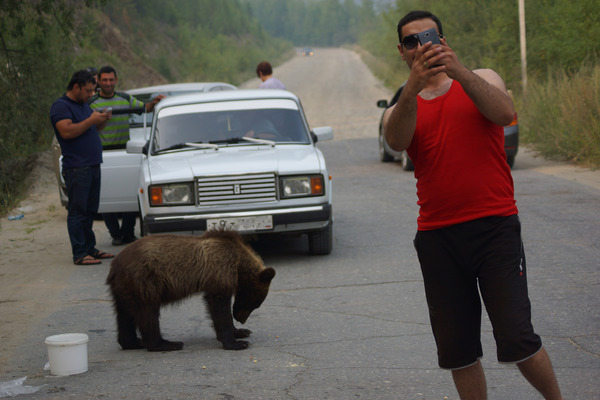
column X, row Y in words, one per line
column 67, row 353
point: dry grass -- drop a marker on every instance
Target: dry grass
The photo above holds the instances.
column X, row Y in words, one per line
column 561, row 118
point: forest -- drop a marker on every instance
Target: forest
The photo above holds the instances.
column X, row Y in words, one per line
column 149, row 42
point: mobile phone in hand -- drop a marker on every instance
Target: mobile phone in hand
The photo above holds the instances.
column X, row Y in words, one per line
column 430, row 35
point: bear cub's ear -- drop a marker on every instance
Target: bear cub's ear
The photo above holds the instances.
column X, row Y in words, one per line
column 266, row 275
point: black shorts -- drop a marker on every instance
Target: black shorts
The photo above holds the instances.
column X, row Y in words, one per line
column 459, row 262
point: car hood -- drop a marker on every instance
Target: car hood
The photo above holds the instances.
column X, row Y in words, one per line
column 282, row 159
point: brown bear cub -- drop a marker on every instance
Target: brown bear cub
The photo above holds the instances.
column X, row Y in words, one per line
column 163, row 269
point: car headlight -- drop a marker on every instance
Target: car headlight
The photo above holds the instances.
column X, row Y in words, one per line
column 175, row 194
column 302, row 186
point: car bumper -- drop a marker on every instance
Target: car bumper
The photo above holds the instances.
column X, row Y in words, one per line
column 285, row 220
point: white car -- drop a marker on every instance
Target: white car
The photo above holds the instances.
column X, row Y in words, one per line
column 243, row 159
column 120, row 171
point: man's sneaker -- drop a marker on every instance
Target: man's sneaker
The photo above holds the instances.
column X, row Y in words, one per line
column 117, row 241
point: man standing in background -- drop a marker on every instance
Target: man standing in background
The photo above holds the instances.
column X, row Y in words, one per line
column 115, row 136
column 265, row 73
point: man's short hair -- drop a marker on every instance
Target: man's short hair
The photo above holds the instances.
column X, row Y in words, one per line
column 81, row 78
column 415, row 16
column 264, row 68
column 107, row 69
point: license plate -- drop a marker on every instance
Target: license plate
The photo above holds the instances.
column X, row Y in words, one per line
column 254, row 223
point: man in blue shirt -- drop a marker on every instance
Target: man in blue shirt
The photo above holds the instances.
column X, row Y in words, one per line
column 75, row 126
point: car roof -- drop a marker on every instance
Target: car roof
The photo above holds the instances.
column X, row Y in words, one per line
column 181, row 87
column 229, row 95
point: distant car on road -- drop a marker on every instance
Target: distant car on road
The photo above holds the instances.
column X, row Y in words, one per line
column 120, row 170
column 387, row 154
column 243, row 159
column 307, row 51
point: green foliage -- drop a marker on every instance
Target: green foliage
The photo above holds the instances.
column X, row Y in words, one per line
column 36, row 53
column 562, row 33
column 197, row 40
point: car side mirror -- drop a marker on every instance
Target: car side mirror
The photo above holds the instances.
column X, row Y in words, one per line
column 382, row 104
column 322, row 133
column 137, row 147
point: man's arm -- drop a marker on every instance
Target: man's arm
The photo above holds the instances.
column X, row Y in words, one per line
column 400, row 121
column 488, row 91
column 70, row 130
column 484, row 86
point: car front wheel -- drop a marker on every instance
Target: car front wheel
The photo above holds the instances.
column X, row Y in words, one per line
column 510, row 160
column 384, row 156
column 321, row 242
column 407, row 163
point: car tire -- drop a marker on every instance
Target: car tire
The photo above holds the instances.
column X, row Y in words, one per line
column 143, row 227
column 407, row 163
column 510, row 160
column 321, row 242
column 384, row 156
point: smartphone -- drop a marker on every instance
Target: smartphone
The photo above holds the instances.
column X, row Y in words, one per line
column 430, row 35
column 109, row 109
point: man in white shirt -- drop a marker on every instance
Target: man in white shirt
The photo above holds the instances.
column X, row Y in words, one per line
column 265, row 73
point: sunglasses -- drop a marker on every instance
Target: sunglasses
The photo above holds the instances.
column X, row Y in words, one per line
column 411, row 41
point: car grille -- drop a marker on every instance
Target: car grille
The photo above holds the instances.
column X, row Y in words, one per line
column 237, row 189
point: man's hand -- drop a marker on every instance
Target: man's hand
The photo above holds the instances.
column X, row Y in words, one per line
column 69, row 130
column 99, row 117
column 102, row 118
column 429, row 61
column 150, row 105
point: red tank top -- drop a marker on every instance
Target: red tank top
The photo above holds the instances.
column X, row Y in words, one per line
column 460, row 163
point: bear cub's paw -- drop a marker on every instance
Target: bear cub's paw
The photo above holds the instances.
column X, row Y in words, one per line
column 133, row 344
column 242, row 333
column 236, row 345
column 165, row 345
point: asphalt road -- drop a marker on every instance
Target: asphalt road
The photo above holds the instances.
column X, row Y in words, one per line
column 352, row 324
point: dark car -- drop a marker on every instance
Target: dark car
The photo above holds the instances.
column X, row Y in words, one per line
column 387, row 154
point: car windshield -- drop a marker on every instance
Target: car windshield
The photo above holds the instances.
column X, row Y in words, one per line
column 223, row 127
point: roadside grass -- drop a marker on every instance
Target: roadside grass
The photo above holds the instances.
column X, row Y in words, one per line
column 561, row 116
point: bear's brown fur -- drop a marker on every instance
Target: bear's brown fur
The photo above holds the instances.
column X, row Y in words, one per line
column 162, row 269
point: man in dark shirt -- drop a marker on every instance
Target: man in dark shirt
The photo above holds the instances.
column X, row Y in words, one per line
column 75, row 126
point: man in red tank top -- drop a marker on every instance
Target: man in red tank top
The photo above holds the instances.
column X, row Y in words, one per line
column 450, row 119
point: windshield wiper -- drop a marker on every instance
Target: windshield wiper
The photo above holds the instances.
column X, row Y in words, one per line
column 188, row 144
column 236, row 140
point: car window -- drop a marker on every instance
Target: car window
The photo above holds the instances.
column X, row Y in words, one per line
column 279, row 125
column 137, row 120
